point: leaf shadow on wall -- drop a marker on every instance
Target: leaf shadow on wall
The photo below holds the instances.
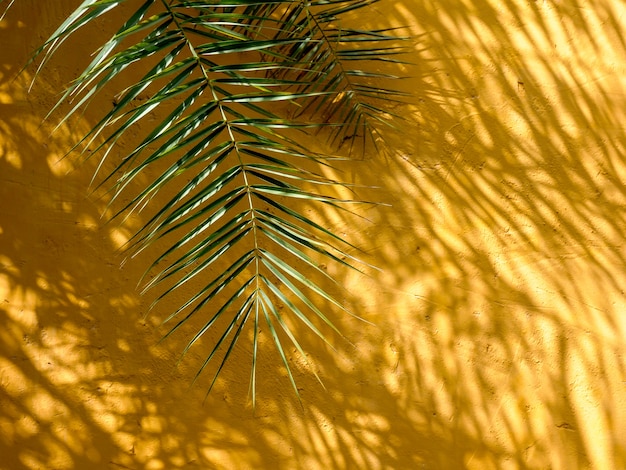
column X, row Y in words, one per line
column 502, row 249
column 496, row 328
column 84, row 384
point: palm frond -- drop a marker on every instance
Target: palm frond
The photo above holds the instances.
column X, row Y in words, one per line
column 342, row 59
column 7, row 5
column 237, row 175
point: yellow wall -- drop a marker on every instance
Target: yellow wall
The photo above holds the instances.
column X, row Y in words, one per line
column 500, row 309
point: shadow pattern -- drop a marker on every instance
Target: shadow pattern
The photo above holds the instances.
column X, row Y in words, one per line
column 499, row 308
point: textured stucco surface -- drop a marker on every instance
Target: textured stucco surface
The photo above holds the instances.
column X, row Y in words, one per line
column 499, row 311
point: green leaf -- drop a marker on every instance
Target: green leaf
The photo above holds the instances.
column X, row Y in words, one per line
column 217, row 122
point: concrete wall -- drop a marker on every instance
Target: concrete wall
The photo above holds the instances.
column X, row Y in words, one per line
column 500, row 312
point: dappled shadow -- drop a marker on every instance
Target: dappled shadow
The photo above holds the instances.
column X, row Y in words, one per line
column 499, row 331
column 502, row 248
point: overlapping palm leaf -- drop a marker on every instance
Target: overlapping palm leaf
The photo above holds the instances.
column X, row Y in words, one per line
column 224, row 159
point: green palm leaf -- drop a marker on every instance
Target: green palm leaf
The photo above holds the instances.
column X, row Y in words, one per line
column 233, row 174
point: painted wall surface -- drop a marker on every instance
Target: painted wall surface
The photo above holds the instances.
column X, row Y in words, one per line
column 500, row 313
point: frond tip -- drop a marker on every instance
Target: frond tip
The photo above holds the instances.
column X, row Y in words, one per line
column 229, row 182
